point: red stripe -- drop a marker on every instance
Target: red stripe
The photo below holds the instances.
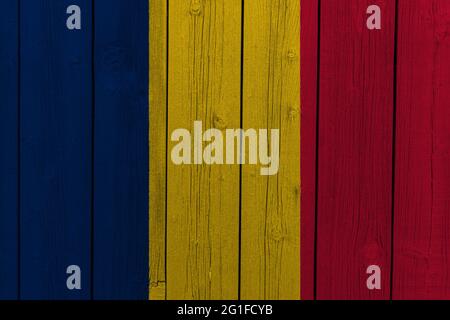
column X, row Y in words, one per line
column 309, row 26
column 422, row 198
column 355, row 149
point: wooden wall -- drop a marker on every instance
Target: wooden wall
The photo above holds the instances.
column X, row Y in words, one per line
column 375, row 132
column 87, row 180
column 9, row 146
column 224, row 232
column 355, row 149
column 74, row 150
column 422, row 176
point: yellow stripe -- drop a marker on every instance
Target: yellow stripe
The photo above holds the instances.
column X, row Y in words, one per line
column 203, row 201
column 270, row 250
column 158, row 81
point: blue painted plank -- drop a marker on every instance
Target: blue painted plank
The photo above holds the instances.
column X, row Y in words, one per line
column 56, row 140
column 121, row 150
column 9, row 46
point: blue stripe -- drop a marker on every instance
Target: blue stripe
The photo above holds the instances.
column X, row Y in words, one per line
column 56, row 95
column 9, row 26
column 121, row 150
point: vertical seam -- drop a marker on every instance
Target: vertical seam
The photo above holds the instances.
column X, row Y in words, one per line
column 394, row 143
column 316, row 195
column 92, row 147
column 240, row 165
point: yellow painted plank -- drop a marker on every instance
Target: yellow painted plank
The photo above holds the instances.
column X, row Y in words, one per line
column 203, row 201
column 158, row 114
column 270, row 251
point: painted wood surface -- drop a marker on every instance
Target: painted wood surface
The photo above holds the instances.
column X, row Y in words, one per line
column 120, row 266
column 203, row 201
column 158, row 147
column 355, row 150
column 422, row 196
column 9, row 170
column 270, row 216
column 81, row 163
column 55, row 150
column 308, row 92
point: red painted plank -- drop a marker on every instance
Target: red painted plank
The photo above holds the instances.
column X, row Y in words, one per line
column 422, row 195
column 355, row 149
column 309, row 42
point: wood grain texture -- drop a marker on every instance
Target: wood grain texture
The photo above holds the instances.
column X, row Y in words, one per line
column 203, row 201
column 422, row 196
column 55, row 149
column 270, row 246
column 9, row 171
column 121, row 215
column 308, row 92
column 355, row 149
column 158, row 138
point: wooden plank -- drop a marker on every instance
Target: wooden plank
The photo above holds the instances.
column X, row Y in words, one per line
column 121, row 150
column 9, row 28
column 55, row 149
column 422, row 196
column 308, row 88
column 355, row 150
column 203, row 201
column 158, row 138
column 270, row 247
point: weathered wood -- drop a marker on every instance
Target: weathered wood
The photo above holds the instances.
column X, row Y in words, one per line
column 121, row 150
column 203, row 201
column 355, row 150
column 158, row 138
column 422, row 193
column 55, row 148
column 9, row 146
column 308, row 92
column 270, row 246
